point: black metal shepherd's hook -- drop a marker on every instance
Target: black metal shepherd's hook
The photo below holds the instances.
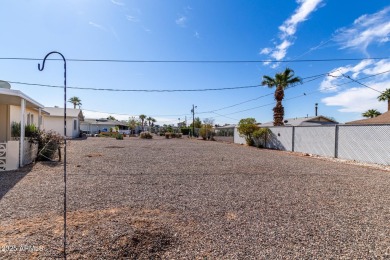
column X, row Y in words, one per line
column 40, row 69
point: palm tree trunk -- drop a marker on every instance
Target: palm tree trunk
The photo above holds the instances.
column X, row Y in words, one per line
column 278, row 114
column 279, row 109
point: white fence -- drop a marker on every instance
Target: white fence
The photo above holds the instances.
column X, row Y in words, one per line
column 365, row 143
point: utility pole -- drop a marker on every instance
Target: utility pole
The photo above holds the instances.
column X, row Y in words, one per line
column 193, row 119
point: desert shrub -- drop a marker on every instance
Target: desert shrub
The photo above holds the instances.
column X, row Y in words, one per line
column 185, row 131
column 246, row 127
column 168, row 135
column 173, row 135
column 146, row 135
column 49, row 143
column 261, row 136
column 206, row 132
column 119, row 137
column 179, row 135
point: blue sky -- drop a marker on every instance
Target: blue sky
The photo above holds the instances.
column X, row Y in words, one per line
column 201, row 30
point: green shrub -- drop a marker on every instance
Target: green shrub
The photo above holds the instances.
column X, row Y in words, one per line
column 246, row 127
column 146, row 135
column 119, row 137
column 29, row 130
column 185, row 131
column 261, row 135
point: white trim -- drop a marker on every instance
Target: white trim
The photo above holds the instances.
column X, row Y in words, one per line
column 22, row 132
column 18, row 93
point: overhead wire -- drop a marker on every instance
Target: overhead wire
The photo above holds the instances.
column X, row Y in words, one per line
column 196, row 61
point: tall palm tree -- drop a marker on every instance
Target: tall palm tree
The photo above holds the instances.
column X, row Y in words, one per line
column 385, row 96
column 75, row 101
column 153, row 121
column 142, row 118
column 371, row 113
column 281, row 82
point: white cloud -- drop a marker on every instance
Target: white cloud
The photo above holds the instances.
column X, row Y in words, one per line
column 117, row 3
column 101, row 27
column 331, row 83
column 181, row 21
column 197, row 35
column 131, row 18
column 358, row 99
column 289, row 28
column 366, row 30
column 266, row 51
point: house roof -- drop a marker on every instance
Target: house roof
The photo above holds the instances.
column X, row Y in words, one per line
column 13, row 97
column 381, row 119
column 306, row 121
column 225, row 127
column 103, row 121
column 57, row 111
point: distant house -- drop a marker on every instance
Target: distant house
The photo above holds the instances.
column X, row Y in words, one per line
column 381, row 119
column 55, row 121
column 305, row 121
column 94, row 126
column 16, row 107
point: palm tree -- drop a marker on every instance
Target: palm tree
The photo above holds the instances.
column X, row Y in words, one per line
column 281, row 82
column 149, row 119
column 371, row 113
column 75, row 101
column 153, row 121
column 142, row 118
column 385, row 96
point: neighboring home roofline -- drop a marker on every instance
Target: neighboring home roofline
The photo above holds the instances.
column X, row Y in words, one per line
column 59, row 112
column 103, row 121
column 381, row 119
column 298, row 121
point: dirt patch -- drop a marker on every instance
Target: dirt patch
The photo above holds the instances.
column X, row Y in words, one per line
column 113, row 233
column 114, row 147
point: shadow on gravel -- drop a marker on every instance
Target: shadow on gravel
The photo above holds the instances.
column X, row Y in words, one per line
column 8, row 179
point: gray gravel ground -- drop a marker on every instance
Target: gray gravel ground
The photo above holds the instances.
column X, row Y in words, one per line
column 181, row 198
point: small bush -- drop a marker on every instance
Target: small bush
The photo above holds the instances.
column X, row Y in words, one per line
column 168, row 135
column 185, row 131
column 48, row 145
column 146, row 135
column 119, row 137
column 179, row 135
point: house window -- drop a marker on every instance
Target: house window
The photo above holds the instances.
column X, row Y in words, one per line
column 75, row 124
column 28, row 118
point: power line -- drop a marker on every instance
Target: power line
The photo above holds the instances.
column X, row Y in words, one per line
column 136, row 90
column 140, row 90
column 312, row 78
column 364, row 85
column 197, row 61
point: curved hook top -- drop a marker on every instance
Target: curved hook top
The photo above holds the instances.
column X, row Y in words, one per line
column 47, row 55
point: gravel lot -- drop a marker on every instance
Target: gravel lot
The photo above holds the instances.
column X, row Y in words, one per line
column 181, row 198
